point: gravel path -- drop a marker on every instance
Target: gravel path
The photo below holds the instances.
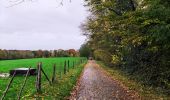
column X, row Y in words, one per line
column 95, row 84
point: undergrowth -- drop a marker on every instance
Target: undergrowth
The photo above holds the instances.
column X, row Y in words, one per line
column 146, row 92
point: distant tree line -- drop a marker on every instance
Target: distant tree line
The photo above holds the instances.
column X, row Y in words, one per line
column 24, row 54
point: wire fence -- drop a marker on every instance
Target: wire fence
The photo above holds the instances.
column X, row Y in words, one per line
column 40, row 72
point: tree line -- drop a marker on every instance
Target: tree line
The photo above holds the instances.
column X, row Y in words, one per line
column 23, row 54
column 132, row 35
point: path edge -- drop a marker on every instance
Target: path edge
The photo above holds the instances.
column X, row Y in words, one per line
column 76, row 87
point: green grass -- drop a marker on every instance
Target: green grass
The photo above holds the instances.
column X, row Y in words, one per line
column 62, row 88
column 146, row 92
column 6, row 65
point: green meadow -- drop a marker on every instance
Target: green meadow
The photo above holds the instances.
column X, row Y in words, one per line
column 68, row 80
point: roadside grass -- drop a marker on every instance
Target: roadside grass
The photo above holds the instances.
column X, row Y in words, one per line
column 146, row 92
column 6, row 65
column 62, row 88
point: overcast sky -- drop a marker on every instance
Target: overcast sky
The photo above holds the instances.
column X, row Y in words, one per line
column 41, row 24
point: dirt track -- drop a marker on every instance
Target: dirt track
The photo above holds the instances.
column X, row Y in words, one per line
column 95, row 84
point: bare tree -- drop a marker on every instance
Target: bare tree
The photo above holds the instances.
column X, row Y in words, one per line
column 17, row 2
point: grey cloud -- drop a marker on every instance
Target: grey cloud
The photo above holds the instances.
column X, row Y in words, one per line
column 42, row 25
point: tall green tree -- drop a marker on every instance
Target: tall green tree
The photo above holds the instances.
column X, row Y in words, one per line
column 85, row 51
column 134, row 35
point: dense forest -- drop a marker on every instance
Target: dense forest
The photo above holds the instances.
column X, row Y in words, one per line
column 133, row 36
column 24, row 54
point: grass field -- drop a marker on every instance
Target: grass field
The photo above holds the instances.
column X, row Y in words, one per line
column 6, row 65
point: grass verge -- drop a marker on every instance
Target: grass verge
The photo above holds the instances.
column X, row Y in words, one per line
column 62, row 88
column 146, row 92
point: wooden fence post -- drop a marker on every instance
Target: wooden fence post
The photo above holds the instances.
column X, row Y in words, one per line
column 38, row 82
column 65, row 67
column 54, row 73
column 68, row 64
column 6, row 90
column 76, row 63
column 60, row 70
column 73, row 64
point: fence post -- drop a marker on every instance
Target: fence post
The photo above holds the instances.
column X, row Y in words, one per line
column 38, row 82
column 60, row 70
column 73, row 64
column 65, row 67
column 54, row 73
column 68, row 65
column 76, row 63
